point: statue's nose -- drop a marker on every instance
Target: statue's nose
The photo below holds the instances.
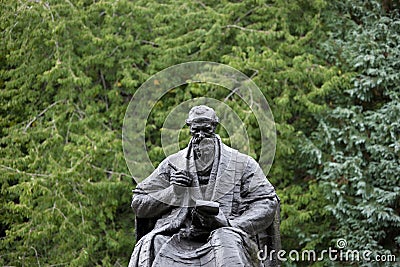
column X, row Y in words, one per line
column 200, row 134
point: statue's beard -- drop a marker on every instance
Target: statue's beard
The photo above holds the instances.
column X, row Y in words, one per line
column 204, row 150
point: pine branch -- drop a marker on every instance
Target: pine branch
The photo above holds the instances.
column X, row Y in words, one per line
column 231, row 93
column 202, row 4
column 40, row 114
column 151, row 43
column 111, row 172
column 245, row 15
column 103, row 81
column 245, row 29
column 22, row 172
column 36, row 255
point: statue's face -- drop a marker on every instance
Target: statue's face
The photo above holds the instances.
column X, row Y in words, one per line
column 201, row 130
column 203, row 142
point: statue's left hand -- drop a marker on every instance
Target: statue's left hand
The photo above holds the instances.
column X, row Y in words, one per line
column 211, row 221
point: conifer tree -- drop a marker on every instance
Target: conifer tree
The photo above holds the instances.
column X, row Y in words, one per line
column 354, row 154
column 70, row 68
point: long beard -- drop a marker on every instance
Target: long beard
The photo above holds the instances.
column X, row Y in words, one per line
column 204, row 151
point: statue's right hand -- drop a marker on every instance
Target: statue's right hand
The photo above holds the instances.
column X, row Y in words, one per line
column 180, row 178
column 179, row 181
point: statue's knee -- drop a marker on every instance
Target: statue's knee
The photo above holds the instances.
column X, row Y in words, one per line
column 228, row 234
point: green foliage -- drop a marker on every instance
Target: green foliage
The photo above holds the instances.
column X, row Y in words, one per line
column 70, row 68
column 355, row 151
column 65, row 195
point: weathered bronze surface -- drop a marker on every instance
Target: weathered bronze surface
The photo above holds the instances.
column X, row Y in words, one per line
column 207, row 205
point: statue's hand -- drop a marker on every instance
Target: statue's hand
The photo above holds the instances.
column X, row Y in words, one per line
column 178, row 180
column 211, row 221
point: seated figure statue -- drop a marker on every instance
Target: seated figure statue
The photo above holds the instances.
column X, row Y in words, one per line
column 206, row 205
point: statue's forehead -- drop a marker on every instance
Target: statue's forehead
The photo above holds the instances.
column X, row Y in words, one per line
column 200, row 124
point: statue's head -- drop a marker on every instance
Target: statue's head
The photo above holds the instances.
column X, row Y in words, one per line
column 202, row 121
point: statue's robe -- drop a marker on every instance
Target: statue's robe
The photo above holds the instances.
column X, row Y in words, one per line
column 244, row 194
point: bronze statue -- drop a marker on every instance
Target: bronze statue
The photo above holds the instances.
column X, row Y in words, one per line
column 207, row 205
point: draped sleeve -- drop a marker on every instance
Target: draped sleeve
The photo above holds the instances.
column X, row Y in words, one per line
column 258, row 200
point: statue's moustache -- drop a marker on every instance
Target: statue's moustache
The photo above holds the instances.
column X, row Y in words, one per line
column 198, row 139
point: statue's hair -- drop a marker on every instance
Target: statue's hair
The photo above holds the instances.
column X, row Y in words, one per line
column 202, row 113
